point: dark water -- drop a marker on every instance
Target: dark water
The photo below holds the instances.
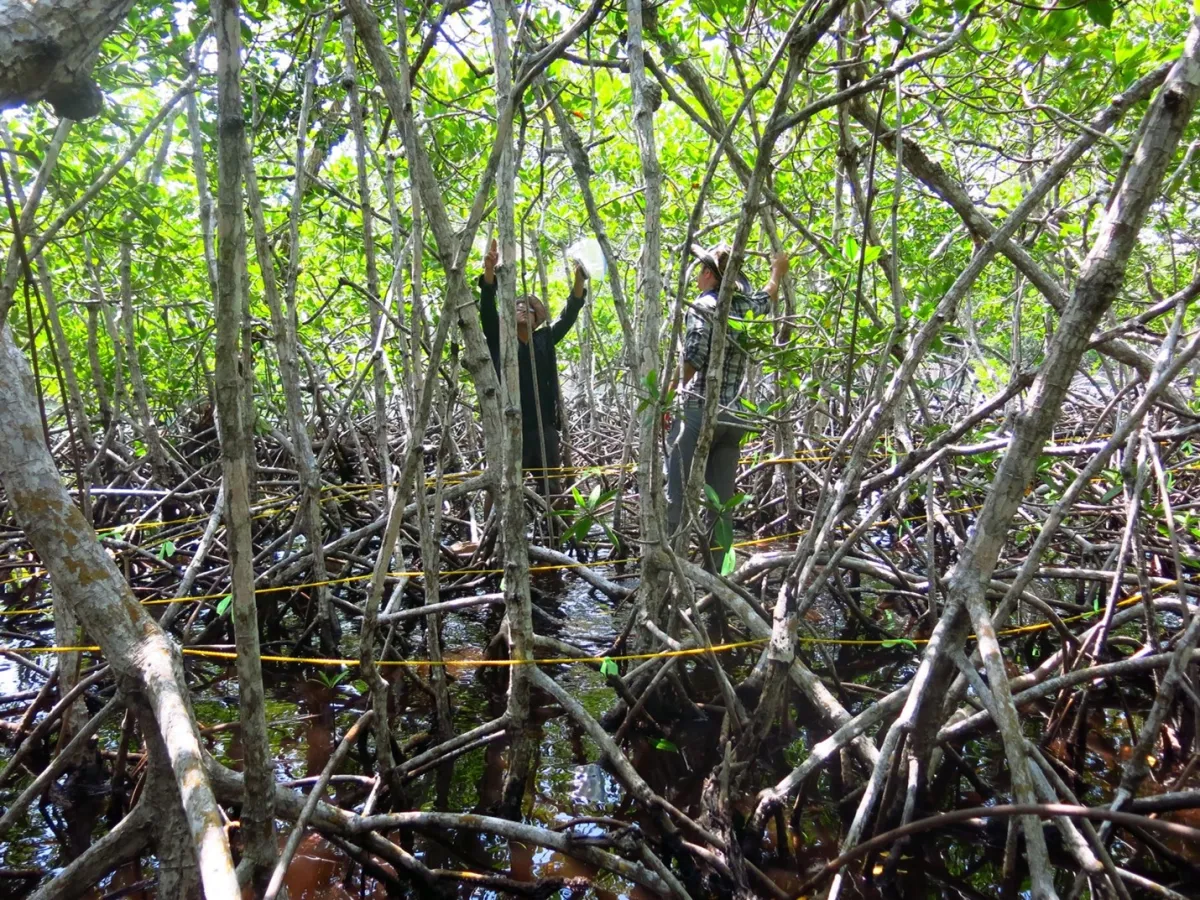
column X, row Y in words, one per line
column 309, row 709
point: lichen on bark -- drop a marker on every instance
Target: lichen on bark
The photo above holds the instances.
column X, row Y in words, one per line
column 48, row 49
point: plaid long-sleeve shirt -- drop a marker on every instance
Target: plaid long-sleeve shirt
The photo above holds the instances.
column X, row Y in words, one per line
column 697, row 341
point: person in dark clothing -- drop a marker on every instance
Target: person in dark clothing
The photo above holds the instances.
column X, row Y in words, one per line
column 538, row 369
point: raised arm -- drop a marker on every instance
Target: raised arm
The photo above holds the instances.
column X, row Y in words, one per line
column 489, row 317
column 570, row 312
column 762, row 302
column 779, row 269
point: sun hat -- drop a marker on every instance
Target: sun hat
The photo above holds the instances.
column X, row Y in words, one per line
column 716, row 259
column 537, row 307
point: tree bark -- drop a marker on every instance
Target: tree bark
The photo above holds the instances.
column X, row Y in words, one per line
column 258, row 823
column 399, row 100
column 519, row 611
column 645, row 357
column 142, row 415
column 835, row 505
column 581, row 166
column 375, row 302
column 798, row 42
column 47, row 51
column 65, row 624
column 125, row 843
column 147, row 665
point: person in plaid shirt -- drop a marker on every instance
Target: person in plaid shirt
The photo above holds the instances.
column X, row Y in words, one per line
column 697, row 341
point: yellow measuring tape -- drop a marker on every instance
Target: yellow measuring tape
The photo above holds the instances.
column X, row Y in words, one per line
column 347, row 580
column 449, row 663
column 595, row 660
column 350, row 579
column 354, row 489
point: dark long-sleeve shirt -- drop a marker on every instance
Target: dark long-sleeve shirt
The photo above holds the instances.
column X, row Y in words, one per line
column 542, row 341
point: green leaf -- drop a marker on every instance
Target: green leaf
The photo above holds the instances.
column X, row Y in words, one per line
column 664, row 744
column 651, row 384
column 711, row 494
column 1100, row 12
column 608, row 667
column 223, row 606
column 594, row 497
column 899, row 642
column 578, row 531
column 723, row 533
column 729, row 563
column 167, row 549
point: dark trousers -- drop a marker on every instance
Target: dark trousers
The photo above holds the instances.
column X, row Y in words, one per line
column 543, row 462
column 719, row 473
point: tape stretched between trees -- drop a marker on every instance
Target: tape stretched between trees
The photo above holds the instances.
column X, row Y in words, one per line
column 600, row 660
